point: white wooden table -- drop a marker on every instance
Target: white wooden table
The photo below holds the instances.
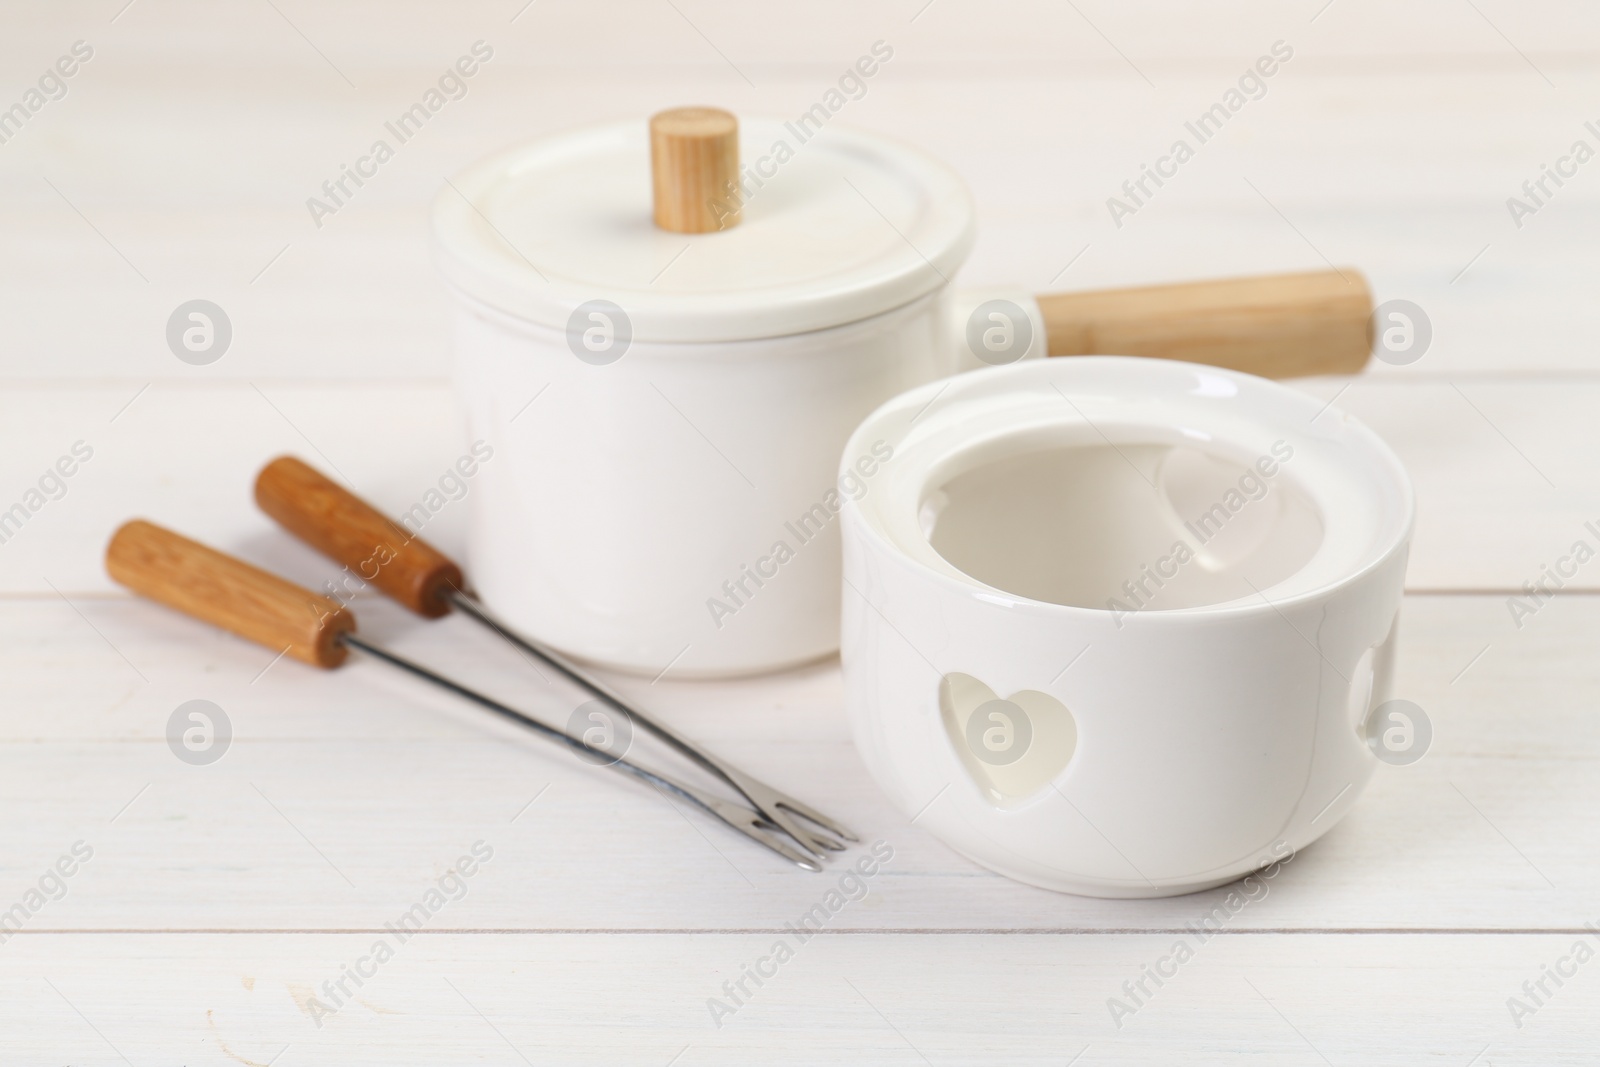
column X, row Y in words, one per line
column 219, row 899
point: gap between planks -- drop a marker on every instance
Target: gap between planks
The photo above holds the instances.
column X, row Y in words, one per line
column 917, row 931
column 1485, row 591
column 1375, row 377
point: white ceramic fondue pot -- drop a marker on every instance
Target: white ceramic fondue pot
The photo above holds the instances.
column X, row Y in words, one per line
column 1114, row 626
column 666, row 354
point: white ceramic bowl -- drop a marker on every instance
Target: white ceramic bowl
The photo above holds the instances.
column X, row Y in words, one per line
column 1113, row 626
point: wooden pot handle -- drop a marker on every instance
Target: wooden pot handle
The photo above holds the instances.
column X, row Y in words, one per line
column 1276, row 325
column 350, row 531
column 227, row 592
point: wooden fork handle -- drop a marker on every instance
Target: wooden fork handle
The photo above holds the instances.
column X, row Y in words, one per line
column 227, row 592
column 348, row 530
column 1276, row 326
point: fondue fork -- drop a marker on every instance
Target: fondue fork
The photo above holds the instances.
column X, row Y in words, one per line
column 227, row 592
column 352, row 532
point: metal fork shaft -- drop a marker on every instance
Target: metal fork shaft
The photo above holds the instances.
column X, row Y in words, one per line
column 740, row 818
column 766, row 799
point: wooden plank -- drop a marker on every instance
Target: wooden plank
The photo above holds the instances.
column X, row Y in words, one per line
column 892, row 999
column 343, row 790
column 363, row 35
column 1503, row 482
column 1370, row 170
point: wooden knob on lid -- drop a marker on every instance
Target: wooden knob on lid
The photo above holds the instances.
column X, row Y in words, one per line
column 694, row 168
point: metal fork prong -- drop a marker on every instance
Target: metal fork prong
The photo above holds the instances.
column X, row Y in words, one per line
column 750, row 824
column 787, row 813
column 778, row 845
column 811, row 815
column 817, row 843
column 770, row 800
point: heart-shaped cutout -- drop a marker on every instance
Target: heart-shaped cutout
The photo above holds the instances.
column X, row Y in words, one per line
column 1012, row 747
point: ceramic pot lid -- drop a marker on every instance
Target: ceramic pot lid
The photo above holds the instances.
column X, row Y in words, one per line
column 842, row 226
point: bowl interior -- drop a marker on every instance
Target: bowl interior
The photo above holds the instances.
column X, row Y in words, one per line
column 1127, row 526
